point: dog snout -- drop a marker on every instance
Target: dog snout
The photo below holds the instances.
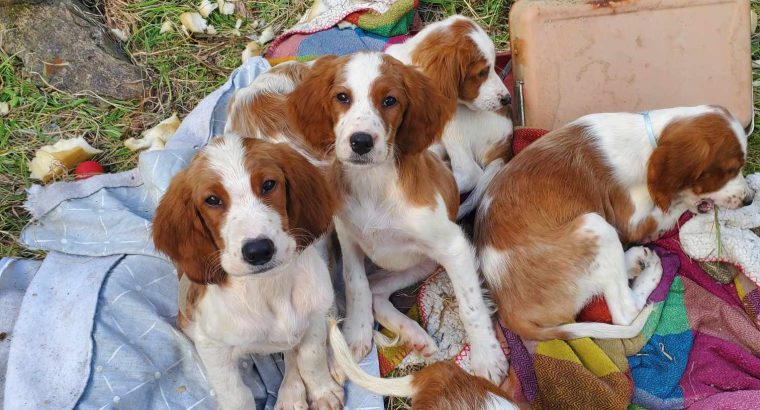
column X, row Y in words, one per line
column 505, row 99
column 748, row 197
column 258, row 251
column 361, row 143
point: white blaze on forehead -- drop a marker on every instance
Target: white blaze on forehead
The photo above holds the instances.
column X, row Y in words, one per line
column 361, row 71
column 247, row 217
column 484, row 44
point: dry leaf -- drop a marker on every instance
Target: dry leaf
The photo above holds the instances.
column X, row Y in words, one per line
column 266, row 36
column 206, row 8
column 252, row 49
column 211, row 30
column 121, row 35
column 5, row 108
column 166, row 27
column 226, row 7
column 192, row 22
column 156, row 137
column 53, row 160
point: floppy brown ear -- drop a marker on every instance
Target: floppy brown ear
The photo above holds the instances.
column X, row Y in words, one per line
column 179, row 233
column 311, row 203
column 309, row 104
column 426, row 115
column 676, row 163
column 445, row 68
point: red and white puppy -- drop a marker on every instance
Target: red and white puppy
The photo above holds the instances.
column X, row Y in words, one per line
column 260, row 110
column 551, row 226
column 441, row 385
column 239, row 224
column 460, row 58
column 399, row 199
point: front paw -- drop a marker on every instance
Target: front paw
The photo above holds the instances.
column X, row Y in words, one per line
column 489, row 361
column 327, row 396
column 358, row 333
column 291, row 396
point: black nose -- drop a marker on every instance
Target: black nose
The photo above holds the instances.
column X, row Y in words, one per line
column 747, row 200
column 506, row 99
column 258, row 251
column 361, row 143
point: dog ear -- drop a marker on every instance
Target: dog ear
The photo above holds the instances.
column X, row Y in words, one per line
column 311, row 203
column 309, row 104
column 179, row 233
column 676, row 163
column 426, row 114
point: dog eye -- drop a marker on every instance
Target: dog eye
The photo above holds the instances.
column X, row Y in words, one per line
column 483, row 72
column 213, row 201
column 389, row 101
column 268, row 186
column 342, row 98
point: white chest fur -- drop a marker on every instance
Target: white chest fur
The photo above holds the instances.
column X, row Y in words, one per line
column 265, row 313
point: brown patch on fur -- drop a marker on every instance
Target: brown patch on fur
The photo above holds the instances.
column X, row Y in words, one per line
column 535, row 217
column 185, row 230
column 444, row 385
column 301, row 195
column 453, row 60
column 423, row 177
column 311, row 105
column 421, row 115
column 700, row 154
column 195, row 293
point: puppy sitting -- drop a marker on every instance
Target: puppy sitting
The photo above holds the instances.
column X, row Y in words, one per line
column 239, row 224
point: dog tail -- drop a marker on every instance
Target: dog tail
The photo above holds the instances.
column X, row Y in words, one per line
column 584, row 329
column 476, row 195
column 398, row 387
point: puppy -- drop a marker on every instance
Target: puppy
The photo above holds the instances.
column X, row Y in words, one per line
column 551, row 226
column 239, row 225
column 260, row 110
column 460, row 58
column 399, row 199
column 441, row 385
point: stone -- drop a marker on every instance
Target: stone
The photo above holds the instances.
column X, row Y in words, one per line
column 58, row 41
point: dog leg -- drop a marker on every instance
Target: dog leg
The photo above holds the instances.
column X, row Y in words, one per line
column 453, row 251
column 323, row 392
column 292, row 393
column 382, row 285
column 466, row 171
column 357, row 327
column 648, row 279
column 221, row 363
column 609, row 270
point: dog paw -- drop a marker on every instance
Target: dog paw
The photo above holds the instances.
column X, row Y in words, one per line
column 328, row 396
column 638, row 259
column 292, row 395
column 489, row 361
column 418, row 340
column 358, row 333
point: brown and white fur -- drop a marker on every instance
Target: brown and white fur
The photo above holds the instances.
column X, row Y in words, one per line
column 399, row 199
column 441, row 385
column 551, row 226
column 460, row 58
column 239, row 224
column 261, row 110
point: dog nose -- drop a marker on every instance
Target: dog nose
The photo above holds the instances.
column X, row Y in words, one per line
column 506, row 99
column 258, row 251
column 361, row 143
column 747, row 201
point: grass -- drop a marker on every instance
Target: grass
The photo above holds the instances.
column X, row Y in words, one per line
column 182, row 70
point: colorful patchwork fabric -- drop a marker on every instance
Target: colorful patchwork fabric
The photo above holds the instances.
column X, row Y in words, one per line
column 699, row 349
column 376, row 25
column 394, row 22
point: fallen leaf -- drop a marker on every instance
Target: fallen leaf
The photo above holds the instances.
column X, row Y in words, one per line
column 156, row 137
